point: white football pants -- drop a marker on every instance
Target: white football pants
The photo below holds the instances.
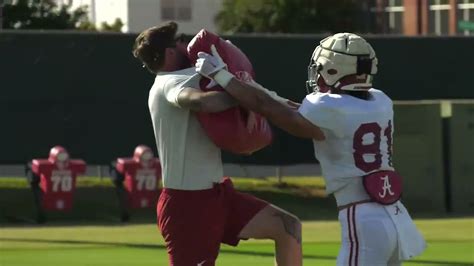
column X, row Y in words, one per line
column 369, row 237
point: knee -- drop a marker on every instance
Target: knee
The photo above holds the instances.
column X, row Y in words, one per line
column 290, row 227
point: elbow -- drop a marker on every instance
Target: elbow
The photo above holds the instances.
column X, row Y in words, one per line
column 317, row 134
column 319, row 137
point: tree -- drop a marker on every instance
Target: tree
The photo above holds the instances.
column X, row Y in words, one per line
column 116, row 26
column 46, row 14
column 104, row 26
column 42, row 14
column 287, row 16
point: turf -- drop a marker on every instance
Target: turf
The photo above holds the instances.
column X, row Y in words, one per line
column 450, row 242
column 92, row 235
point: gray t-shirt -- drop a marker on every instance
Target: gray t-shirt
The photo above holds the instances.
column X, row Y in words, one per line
column 189, row 159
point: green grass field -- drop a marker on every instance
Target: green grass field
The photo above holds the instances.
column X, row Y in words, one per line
column 92, row 235
column 451, row 242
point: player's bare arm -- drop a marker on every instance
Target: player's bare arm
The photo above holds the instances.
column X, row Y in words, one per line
column 258, row 99
column 254, row 98
column 210, row 102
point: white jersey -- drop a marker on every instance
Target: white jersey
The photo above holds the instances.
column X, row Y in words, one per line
column 358, row 134
column 359, row 141
column 190, row 161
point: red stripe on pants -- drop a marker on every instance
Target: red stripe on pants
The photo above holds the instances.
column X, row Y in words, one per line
column 356, row 241
column 350, row 234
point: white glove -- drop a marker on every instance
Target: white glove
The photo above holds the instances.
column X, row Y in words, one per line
column 207, row 64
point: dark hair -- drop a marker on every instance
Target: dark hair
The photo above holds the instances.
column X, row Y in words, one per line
column 150, row 45
column 364, row 95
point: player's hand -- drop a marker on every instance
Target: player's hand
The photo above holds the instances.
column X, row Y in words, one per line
column 207, row 64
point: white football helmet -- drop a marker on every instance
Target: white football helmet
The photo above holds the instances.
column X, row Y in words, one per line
column 345, row 61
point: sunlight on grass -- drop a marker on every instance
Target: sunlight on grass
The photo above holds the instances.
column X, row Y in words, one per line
column 119, row 244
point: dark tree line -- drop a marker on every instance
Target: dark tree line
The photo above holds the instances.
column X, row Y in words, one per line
column 46, row 14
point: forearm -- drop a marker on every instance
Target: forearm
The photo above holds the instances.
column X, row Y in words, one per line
column 254, row 97
column 216, row 101
column 240, row 90
column 209, row 102
column 248, row 95
column 272, row 94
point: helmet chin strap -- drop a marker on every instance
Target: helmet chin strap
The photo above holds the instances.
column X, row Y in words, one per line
column 348, row 83
column 322, row 85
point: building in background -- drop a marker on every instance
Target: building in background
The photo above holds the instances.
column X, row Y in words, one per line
column 419, row 17
column 137, row 15
column 404, row 17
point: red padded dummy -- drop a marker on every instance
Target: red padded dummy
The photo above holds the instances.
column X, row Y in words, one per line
column 57, row 178
column 142, row 175
column 236, row 130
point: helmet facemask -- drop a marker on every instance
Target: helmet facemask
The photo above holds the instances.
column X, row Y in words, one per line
column 313, row 76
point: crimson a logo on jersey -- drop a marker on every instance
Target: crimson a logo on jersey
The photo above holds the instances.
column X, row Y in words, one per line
column 384, row 187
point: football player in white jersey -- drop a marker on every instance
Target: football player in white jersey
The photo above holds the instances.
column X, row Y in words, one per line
column 351, row 125
column 198, row 209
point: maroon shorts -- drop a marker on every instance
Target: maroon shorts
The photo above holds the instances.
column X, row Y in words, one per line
column 195, row 223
